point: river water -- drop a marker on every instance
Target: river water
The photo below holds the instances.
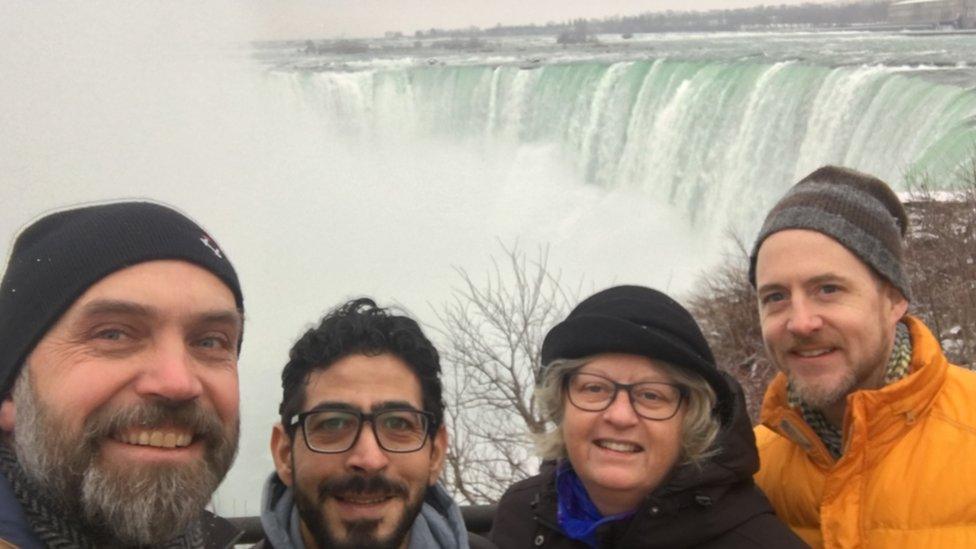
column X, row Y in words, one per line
column 717, row 125
column 331, row 176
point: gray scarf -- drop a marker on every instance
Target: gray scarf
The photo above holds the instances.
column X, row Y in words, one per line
column 54, row 528
column 898, row 367
column 438, row 526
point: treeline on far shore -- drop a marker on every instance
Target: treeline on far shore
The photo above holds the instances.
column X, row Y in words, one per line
column 782, row 16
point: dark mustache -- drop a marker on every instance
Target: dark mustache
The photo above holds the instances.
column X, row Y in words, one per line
column 357, row 484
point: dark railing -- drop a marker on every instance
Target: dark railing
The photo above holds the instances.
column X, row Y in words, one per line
column 477, row 518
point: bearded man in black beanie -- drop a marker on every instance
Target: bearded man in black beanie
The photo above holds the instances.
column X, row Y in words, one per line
column 121, row 326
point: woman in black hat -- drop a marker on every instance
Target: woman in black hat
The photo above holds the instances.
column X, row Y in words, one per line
column 652, row 446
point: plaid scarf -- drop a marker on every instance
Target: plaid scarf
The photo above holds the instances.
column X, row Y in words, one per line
column 54, row 528
column 832, row 437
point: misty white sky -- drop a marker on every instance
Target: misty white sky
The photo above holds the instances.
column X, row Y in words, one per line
column 364, row 18
column 112, row 99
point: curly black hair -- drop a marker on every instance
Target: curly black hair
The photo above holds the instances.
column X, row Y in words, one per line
column 359, row 326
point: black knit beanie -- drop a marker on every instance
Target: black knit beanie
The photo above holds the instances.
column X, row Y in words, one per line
column 859, row 211
column 58, row 257
column 641, row 321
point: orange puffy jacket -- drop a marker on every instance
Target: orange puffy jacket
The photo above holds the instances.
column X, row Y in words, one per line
column 907, row 477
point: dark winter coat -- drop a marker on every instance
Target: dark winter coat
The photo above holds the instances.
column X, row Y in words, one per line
column 716, row 505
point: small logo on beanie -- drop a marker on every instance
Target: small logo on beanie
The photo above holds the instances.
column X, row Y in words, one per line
column 209, row 243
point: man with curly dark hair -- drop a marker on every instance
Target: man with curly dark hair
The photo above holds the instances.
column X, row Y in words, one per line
column 362, row 440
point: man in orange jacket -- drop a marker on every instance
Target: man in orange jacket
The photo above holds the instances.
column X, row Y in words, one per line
column 867, row 433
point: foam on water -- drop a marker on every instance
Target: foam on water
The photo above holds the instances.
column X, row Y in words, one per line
column 380, row 178
column 319, row 189
column 697, row 135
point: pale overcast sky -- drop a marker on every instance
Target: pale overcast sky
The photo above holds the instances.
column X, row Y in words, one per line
column 363, row 18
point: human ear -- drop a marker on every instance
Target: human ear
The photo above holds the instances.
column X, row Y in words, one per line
column 899, row 305
column 438, row 453
column 281, row 452
column 8, row 415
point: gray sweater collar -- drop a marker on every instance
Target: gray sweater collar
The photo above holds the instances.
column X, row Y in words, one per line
column 438, row 526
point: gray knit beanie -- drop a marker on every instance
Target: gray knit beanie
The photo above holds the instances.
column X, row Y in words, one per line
column 858, row 210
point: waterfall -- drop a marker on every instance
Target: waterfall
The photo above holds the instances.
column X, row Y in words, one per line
column 719, row 140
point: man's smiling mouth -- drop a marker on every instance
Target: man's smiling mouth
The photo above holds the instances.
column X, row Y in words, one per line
column 813, row 353
column 156, row 438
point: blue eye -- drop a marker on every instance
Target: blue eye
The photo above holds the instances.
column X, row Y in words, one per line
column 111, row 335
column 212, row 342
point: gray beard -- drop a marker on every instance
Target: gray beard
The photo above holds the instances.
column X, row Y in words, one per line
column 131, row 505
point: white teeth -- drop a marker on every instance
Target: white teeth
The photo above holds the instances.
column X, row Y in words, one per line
column 156, row 439
column 365, row 501
column 618, row 446
column 811, row 354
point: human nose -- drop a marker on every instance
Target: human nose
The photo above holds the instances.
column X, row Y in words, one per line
column 804, row 319
column 621, row 411
column 170, row 373
column 366, row 455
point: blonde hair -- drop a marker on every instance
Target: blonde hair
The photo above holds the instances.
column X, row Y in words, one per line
column 699, row 427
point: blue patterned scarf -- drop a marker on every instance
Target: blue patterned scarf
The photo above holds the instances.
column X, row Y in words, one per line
column 577, row 514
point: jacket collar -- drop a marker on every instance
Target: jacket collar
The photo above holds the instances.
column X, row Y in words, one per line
column 890, row 410
column 695, row 503
column 439, row 524
column 219, row 532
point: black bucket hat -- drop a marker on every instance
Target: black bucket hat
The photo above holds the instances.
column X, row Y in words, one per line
column 641, row 321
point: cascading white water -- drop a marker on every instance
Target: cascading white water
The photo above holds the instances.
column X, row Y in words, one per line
column 325, row 185
column 719, row 140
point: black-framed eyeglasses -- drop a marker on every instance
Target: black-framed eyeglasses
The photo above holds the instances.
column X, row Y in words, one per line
column 333, row 431
column 651, row 399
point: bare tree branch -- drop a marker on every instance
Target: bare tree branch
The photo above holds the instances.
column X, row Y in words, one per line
column 493, row 331
column 940, row 257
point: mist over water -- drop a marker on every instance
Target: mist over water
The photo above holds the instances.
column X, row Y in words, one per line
column 698, row 134
column 108, row 101
column 325, row 178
